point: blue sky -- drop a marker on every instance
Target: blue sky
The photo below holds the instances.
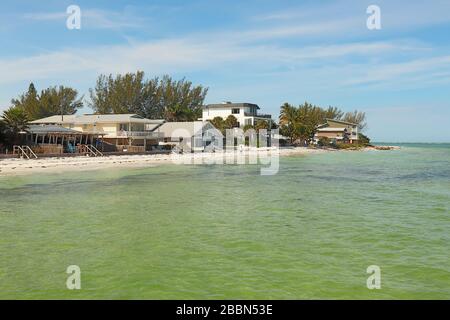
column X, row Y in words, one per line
column 266, row 52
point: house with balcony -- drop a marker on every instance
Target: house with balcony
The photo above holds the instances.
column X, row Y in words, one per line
column 120, row 130
column 338, row 131
column 245, row 113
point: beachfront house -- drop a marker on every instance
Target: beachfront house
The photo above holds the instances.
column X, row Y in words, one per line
column 118, row 132
column 245, row 113
column 191, row 136
column 337, row 131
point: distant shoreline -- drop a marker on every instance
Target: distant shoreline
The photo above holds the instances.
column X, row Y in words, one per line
column 18, row 167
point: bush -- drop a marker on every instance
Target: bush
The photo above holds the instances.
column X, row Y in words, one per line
column 363, row 139
column 324, row 142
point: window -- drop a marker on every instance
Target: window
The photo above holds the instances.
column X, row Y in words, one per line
column 123, row 127
column 235, row 111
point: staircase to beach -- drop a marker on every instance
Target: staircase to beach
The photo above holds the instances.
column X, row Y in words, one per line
column 24, row 152
column 90, row 150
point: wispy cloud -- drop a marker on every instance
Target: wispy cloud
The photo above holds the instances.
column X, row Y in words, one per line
column 45, row 16
column 93, row 18
column 184, row 54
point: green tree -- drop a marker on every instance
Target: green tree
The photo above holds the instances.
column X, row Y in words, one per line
column 122, row 94
column 333, row 113
column 363, row 139
column 231, row 122
column 51, row 101
column 15, row 121
column 300, row 123
column 181, row 113
column 357, row 117
column 29, row 102
column 219, row 124
column 59, row 100
column 173, row 100
column 262, row 124
column 289, row 121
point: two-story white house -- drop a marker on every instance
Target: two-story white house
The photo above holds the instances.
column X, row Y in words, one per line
column 245, row 113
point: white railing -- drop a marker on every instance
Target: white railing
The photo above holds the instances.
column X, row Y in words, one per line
column 127, row 134
column 131, row 134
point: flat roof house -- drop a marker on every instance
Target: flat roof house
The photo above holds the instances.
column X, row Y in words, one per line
column 245, row 113
column 337, row 130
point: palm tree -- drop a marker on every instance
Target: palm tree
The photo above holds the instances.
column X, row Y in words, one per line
column 262, row 124
column 288, row 114
column 231, row 122
column 290, row 121
column 15, row 120
column 219, row 124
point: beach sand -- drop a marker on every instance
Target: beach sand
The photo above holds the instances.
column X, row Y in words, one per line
column 13, row 167
column 18, row 166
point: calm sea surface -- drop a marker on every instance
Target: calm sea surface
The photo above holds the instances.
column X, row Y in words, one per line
column 224, row 231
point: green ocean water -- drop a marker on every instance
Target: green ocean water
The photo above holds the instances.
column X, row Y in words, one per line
column 226, row 232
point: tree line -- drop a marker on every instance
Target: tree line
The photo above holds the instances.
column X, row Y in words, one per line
column 156, row 98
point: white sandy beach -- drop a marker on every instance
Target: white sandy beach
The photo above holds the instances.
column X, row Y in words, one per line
column 13, row 167
column 60, row 164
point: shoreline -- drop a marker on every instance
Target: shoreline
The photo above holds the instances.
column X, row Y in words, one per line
column 18, row 167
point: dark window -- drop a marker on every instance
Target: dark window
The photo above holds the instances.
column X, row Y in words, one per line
column 235, row 111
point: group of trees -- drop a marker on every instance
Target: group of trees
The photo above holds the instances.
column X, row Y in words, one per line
column 300, row 123
column 231, row 122
column 31, row 106
column 51, row 101
column 157, row 98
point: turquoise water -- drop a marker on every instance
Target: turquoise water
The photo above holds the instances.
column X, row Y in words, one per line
column 224, row 231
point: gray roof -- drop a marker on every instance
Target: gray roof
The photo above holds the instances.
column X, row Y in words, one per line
column 97, row 118
column 231, row 105
column 343, row 122
column 41, row 129
column 328, row 129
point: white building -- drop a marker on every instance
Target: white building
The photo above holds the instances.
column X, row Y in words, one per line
column 191, row 136
column 245, row 113
column 337, row 130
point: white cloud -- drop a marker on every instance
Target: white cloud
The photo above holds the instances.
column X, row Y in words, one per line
column 45, row 16
column 177, row 55
column 93, row 18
